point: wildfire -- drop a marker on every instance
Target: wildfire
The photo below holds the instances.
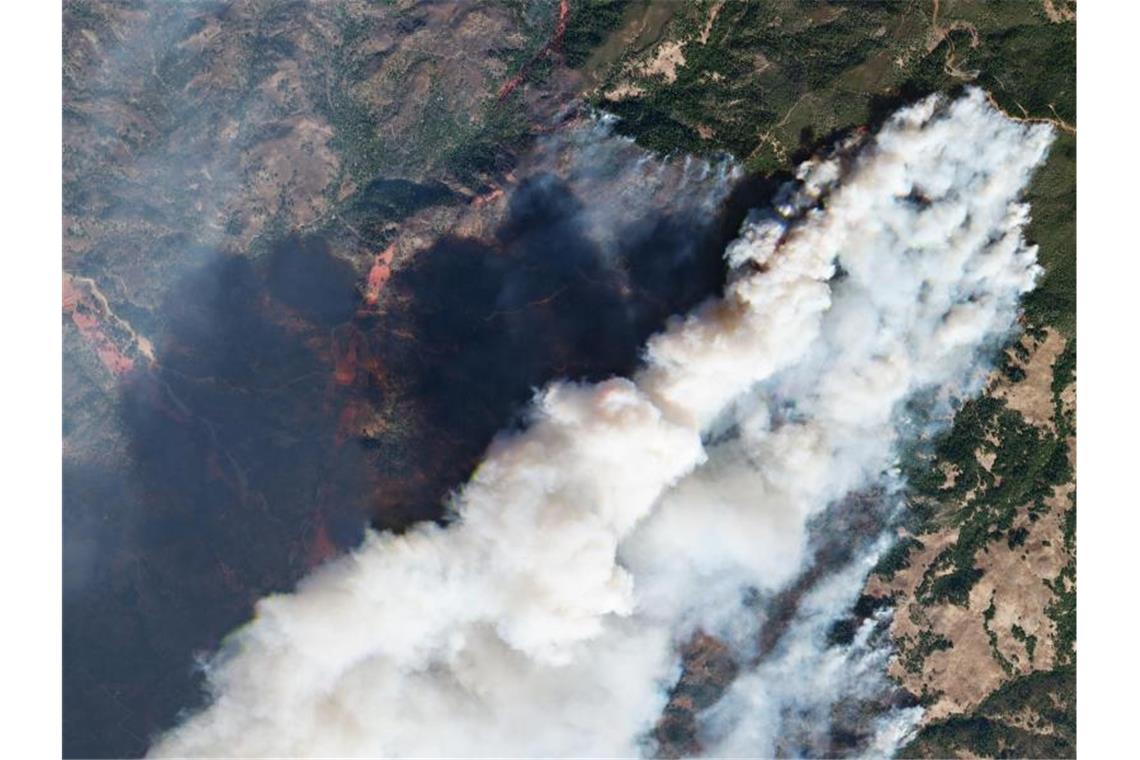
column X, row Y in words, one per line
column 555, row 41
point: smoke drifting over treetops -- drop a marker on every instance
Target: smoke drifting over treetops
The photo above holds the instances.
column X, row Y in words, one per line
column 634, row 512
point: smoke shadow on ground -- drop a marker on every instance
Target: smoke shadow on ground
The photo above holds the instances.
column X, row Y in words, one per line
column 238, row 476
column 233, row 486
column 493, row 320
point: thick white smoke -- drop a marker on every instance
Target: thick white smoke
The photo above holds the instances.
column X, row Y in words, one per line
column 545, row 621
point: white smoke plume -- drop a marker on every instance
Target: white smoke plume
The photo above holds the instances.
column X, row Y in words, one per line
column 624, row 183
column 631, row 513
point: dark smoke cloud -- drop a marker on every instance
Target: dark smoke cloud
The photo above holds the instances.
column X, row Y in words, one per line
column 631, row 514
column 237, row 465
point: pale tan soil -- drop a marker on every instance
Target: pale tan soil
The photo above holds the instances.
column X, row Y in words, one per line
column 905, row 581
column 1060, row 11
column 668, row 59
column 1069, row 398
column 1015, row 581
column 1033, row 395
column 713, row 12
column 623, row 91
column 951, row 473
column 938, row 31
column 962, row 676
column 938, row 34
column 1029, row 720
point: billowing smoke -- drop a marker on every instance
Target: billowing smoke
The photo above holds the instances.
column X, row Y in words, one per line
column 633, row 513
